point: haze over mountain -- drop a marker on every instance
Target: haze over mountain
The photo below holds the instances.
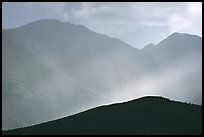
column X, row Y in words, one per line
column 180, row 63
column 143, row 116
column 52, row 69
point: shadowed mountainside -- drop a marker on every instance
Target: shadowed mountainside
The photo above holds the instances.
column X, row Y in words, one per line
column 146, row 115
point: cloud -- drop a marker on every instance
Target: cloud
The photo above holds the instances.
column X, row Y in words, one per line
column 178, row 23
column 122, row 20
column 188, row 19
column 47, row 9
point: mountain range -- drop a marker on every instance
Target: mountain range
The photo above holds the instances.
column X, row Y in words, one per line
column 52, row 69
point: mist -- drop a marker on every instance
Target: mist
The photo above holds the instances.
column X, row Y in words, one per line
column 181, row 81
column 52, row 69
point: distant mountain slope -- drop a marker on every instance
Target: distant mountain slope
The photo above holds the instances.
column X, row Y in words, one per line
column 146, row 115
column 175, row 47
column 181, row 56
column 52, row 69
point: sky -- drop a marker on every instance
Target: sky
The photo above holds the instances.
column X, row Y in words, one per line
column 136, row 23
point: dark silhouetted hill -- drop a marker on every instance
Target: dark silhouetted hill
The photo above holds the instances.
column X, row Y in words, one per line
column 146, row 115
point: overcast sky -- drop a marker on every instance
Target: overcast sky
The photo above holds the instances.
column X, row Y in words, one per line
column 136, row 23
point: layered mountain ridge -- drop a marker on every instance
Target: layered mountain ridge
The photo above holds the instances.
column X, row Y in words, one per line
column 52, row 69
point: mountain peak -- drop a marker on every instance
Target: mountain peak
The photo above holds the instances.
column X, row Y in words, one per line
column 150, row 45
column 45, row 23
column 48, row 20
column 177, row 34
column 175, row 38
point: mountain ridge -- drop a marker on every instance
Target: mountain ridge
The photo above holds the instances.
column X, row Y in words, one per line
column 55, row 21
column 49, row 67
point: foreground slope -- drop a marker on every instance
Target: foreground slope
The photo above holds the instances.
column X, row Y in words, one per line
column 146, row 115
